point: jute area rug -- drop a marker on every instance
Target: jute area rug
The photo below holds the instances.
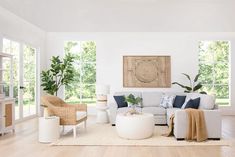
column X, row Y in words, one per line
column 106, row 135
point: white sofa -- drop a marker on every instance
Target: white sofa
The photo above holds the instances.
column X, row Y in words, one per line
column 151, row 104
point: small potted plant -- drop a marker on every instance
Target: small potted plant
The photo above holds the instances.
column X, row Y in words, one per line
column 133, row 102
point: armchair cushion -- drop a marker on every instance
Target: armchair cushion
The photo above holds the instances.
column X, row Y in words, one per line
column 80, row 115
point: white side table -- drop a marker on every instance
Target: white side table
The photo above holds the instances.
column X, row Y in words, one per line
column 49, row 129
column 102, row 114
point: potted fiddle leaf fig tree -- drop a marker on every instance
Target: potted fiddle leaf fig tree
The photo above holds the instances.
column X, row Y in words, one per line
column 133, row 102
column 61, row 72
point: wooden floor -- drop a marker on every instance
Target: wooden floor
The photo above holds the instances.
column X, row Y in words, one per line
column 24, row 144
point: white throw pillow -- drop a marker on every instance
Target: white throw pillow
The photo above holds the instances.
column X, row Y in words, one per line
column 167, row 101
column 207, row 102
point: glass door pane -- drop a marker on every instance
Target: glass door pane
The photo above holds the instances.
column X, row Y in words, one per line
column 13, row 48
column 24, row 77
column 29, row 81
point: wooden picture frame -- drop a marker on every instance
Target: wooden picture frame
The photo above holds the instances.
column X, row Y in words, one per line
column 147, row 71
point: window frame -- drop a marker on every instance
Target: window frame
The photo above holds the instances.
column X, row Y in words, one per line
column 213, row 63
column 82, row 63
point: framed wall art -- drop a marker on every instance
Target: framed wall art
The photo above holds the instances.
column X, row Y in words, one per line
column 147, row 71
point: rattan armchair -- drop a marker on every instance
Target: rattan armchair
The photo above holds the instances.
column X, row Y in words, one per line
column 69, row 114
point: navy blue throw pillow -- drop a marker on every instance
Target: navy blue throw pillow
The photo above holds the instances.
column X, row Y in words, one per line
column 193, row 103
column 120, row 100
column 179, row 101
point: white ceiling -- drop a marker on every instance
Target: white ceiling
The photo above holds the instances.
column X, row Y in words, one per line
column 126, row 15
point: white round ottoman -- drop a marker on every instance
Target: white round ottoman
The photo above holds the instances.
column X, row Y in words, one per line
column 138, row 126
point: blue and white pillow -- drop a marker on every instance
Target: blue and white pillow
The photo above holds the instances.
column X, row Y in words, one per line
column 167, row 101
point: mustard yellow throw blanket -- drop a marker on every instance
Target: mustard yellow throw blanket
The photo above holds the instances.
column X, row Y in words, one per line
column 196, row 125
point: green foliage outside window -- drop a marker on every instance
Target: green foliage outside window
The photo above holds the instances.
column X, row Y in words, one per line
column 82, row 88
column 214, row 69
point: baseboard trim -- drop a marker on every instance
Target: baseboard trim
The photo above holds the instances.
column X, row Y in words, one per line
column 155, row 124
column 181, row 139
column 160, row 124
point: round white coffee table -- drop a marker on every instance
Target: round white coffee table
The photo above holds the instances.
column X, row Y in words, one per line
column 138, row 126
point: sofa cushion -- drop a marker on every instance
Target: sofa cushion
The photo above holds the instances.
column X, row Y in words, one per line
column 120, row 100
column 151, row 99
column 179, row 101
column 154, row 110
column 167, row 101
column 207, row 102
column 193, row 103
column 175, row 93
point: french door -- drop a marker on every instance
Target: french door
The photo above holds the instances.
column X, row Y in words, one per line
column 24, row 77
column 28, row 81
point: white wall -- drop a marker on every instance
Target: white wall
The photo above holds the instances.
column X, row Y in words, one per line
column 112, row 46
column 17, row 29
column 182, row 47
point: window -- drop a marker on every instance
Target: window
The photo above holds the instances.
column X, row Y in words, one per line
column 82, row 89
column 214, row 69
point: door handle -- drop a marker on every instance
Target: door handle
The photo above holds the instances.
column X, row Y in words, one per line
column 21, row 87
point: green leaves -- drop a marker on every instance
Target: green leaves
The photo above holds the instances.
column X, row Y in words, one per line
column 186, row 87
column 133, row 100
column 189, row 78
column 48, row 83
column 192, row 87
column 60, row 73
column 82, row 88
column 196, row 77
column 197, row 87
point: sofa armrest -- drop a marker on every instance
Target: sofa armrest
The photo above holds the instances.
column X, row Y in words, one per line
column 113, row 112
column 212, row 118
